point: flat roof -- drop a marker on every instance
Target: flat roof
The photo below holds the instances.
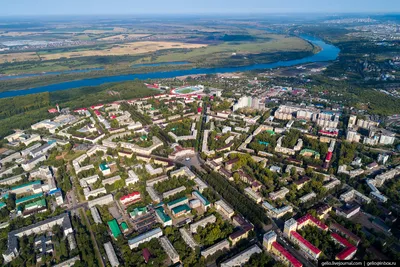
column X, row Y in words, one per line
column 28, row 198
column 124, row 226
column 114, row 228
column 27, row 184
column 40, row 202
column 145, row 235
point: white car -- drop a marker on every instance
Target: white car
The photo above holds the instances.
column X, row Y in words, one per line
column 187, row 159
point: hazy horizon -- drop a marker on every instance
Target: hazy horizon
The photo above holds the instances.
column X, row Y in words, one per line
column 182, row 7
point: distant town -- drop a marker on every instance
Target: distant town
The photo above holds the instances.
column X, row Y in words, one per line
column 197, row 175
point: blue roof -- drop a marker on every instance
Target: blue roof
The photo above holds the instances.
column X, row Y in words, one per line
column 51, row 192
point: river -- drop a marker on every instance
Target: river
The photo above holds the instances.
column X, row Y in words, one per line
column 328, row 52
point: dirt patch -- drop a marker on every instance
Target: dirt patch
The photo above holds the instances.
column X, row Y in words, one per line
column 17, row 57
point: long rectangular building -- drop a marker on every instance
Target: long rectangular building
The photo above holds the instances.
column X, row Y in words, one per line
column 243, row 257
column 224, row 244
column 112, row 257
column 169, row 249
column 202, row 223
column 188, row 238
column 104, row 200
column 225, row 208
column 173, row 191
column 136, row 241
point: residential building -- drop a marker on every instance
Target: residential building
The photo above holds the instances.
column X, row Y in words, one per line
column 112, row 257
column 188, row 238
column 145, row 237
column 202, row 223
column 222, row 206
column 243, row 257
column 224, row 244
column 169, row 249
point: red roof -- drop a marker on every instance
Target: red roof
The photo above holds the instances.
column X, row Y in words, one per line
column 113, row 117
column 52, row 110
column 134, row 194
column 329, row 156
column 329, row 133
column 287, row 254
column 301, row 239
column 146, row 254
column 97, row 106
column 199, row 109
column 97, row 112
column 341, row 240
column 347, row 252
column 317, row 222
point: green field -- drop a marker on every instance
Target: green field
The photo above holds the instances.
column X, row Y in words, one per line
column 279, row 43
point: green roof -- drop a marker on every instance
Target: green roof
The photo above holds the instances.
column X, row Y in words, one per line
column 40, row 203
column 104, row 166
column 203, row 199
column 137, row 210
column 124, row 226
column 180, row 208
column 177, row 201
column 163, row 216
column 28, row 198
column 159, row 204
column 114, row 228
column 270, row 132
column 27, row 184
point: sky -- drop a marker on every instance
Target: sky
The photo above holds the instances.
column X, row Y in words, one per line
column 94, row 7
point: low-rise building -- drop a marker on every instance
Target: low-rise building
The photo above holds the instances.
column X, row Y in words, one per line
column 112, row 257
column 96, row 215
column 243, row 257
column 222, row 206
column 163, row 217
column 145, row 237
column 224, row 244
column 169, row 249
column 130, row 198
column 104, row 200
column 188, row 238
column 253, row 195
column 279, row 194
column 184, row 171
column 177, row 202
column 202, row 223
column 204, row 202
column 180, row 210
column 173, row 192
